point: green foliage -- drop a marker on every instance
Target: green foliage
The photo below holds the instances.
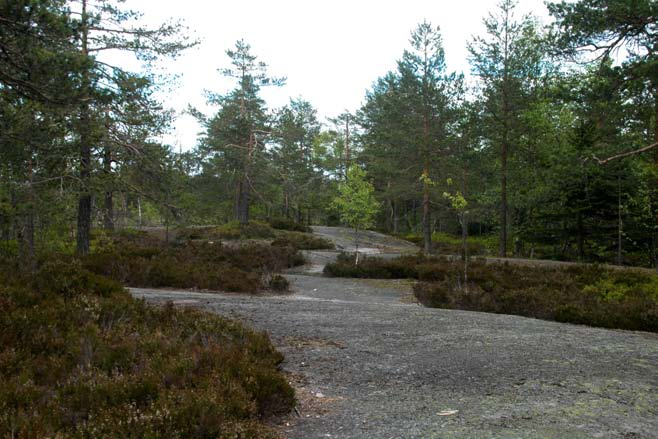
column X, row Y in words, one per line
column 79, row 357
column 356, row 201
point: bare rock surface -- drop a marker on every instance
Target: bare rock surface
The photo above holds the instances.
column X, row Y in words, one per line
column 368, row 362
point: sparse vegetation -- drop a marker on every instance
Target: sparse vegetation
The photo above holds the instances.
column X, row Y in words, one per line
column 80, row 358
column 591, row 295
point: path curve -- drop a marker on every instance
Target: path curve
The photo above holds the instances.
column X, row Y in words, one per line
column 368, row 362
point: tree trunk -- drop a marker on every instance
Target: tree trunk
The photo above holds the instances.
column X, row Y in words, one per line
column 242, row 208
column 464, row 223
column 356, row 242
column 84, row 200
column 139, row 211
column 108, row 211
column 427, row 227
column 654, row 234
column 619, row 222
column 581, row 237
column 286, row 203
column 503, row 202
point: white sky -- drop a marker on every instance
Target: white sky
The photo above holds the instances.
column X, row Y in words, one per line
column 330, row 51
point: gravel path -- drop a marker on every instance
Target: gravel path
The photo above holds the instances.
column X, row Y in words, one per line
column 368, row 362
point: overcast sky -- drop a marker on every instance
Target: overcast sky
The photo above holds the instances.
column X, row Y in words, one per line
column 330, row 51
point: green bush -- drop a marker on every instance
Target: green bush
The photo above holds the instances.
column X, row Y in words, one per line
column 82, row 358
column 303, row 241
column 287, row 224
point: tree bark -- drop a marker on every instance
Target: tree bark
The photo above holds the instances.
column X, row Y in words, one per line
column 503, row 201
column 84, row 200
column 619, row 223
column 108, row 211
column 242, row 207
column 581, row 237
column 427, row 228
column 654, row 238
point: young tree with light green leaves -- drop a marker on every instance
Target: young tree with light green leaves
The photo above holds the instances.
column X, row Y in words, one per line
column 459, row 203
column 356, row 203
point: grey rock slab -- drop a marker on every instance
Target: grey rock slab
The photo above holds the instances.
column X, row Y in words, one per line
column 386, row 369
column 389, row 368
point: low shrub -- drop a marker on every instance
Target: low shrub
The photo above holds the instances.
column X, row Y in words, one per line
column 79, row 357
column 253, row 230
column 231, row 231
column 287, row 224
column 199, row 265
column 278, row 283
column 447, row 244
column 586, row 294
column 303, row 241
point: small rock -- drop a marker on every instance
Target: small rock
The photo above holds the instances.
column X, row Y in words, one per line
column 319, row 395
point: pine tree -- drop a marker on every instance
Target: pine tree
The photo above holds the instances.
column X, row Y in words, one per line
column 237, row 134
column 508, row 64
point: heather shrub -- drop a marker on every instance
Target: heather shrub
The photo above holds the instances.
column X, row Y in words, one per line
column 278, row 283
column 585, row 294
column 287, row 224
column 253, row 230
column 231, row 231
column 82, row 358
column 303, row 241
column 373, row 267
column 192, row 264
column 590, row 295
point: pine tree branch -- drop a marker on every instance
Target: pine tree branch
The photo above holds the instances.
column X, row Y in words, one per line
column 625, row 154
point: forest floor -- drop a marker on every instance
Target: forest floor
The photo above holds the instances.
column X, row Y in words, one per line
column 368, row 362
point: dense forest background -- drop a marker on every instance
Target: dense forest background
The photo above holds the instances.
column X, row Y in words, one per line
column 551, row 148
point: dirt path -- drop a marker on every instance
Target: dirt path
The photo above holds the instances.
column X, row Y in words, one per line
column 369, row 363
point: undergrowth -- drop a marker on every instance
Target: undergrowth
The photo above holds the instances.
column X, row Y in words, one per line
column 447, row 244
column 585, row 294
column 80, row 358
column 141, row 261
column 303, row 241
column 229, row 231
column 287, row 224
